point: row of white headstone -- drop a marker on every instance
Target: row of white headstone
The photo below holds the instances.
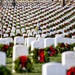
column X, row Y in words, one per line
column 55, row 68
column 38, row 43
column 18, row 50
column 56, row 6
column 46, row 42
column 51, row 68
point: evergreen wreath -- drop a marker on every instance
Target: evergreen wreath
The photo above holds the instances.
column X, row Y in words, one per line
column 51, row 51
column 7, row 49
column 23, row 64
column 4, row 71
column 40, row 56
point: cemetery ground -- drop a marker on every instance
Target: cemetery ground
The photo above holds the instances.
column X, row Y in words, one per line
column 37, row 66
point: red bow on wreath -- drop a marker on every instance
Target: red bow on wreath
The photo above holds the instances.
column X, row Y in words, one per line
column 41, row 55
column 23, row 61
column 71, row 71
column 5, row 48
column 51, row 51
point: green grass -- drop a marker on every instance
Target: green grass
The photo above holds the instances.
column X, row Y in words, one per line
column 37, row 66
column 56, row 58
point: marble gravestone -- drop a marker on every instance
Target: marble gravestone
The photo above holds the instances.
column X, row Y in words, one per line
column 74, row 48
column 2, row 58
column 19, row 40
column 37, row 44
column 48, row 42
column 18, row 50
column 29, row 40
column 68, row 59
column 53, row 68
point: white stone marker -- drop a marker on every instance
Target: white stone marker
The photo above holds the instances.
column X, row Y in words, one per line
column 4, row 41
column 29, row 40
column 68, row 59
column 34, row 44
column 74, row 48
column 73, row 37
column 19, row 40
column 2, row 58
column 5, row 35
column 53, row 69
column 48, row 42
column 37, row 44
column 19, row 50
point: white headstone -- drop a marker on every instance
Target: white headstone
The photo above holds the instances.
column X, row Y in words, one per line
column 68, row 59
column 37, row 36
column 34, row 44
column 53, row 69
column 26, row 41
column 63, row 40
column 10, row 40
column 41, row 42
column 48, row 42
column 8, row 29
column 5, row 35
column 22, row 30
column 18, row 50
column 74, row 48
column 1, row 40
column 29, row 40
column 30, row 34
column 12, row 34
column 43, row 35
column 2, row 58
column 18, row 31
column 13, row 29
column 4, row 41
column 24, row 35
column 7, row 40
column 59, row 35
column 37, row 44
column 73, row 37
column 72, row 41
column 18, row 40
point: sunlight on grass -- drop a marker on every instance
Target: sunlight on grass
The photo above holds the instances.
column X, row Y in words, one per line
column 37, row 66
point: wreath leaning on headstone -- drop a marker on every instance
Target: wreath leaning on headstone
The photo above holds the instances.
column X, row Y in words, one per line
column 40, row 56
column 23, row 64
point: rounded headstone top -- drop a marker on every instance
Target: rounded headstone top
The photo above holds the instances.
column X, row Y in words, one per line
column 51, row 63
column 59, row 35
column 68, row 52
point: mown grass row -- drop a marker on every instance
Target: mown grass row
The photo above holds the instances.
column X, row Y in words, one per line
column 37, row 66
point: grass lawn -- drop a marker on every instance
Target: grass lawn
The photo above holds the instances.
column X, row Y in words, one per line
column 37, row 66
